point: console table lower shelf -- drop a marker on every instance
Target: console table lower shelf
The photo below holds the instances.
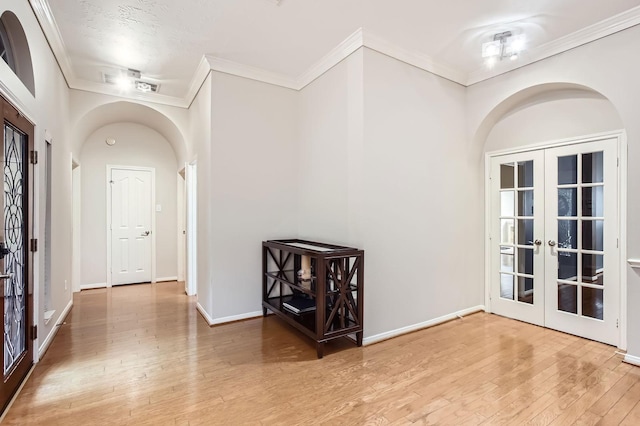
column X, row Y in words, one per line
column 306, row 323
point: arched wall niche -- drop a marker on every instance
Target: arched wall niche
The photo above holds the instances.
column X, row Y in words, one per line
column 544, row 113
column 129, row 112
column 21, row 64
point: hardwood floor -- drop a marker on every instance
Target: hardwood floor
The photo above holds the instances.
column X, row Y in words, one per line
column 141, row 355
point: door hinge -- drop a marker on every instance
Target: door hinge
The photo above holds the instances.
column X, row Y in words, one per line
column 33, row 244
column 617, row 323
column 34, row 332
column 33, row 157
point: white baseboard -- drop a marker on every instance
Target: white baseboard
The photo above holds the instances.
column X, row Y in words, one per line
column 430, row 323
column 217, row 321
column 248, row 315
column 165, row 279
column 204, row 314
column 54, row 330
column 635, row 360
column 92, row 286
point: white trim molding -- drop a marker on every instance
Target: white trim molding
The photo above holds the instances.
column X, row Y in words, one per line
column 632, row 359
column 634, row 263
column 54, row 330
column 92, row 286
column 204, row 314
column 252, row 73
column 224, row 320
column 426, row 324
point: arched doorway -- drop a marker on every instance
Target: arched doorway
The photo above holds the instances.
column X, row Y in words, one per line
column 554, row 212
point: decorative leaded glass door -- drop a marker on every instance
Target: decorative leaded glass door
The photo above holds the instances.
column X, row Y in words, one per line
column 554, row 238
column 15, row 258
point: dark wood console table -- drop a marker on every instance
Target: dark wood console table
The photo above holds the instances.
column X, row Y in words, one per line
column 315, row 287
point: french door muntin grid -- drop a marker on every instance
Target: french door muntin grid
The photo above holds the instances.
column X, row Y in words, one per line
column 516, row 225
column 580, row 277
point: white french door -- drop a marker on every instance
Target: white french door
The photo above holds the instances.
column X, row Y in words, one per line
column 554, row 238
column 131, row 211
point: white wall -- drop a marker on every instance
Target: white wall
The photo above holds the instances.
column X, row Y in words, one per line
column 136, row 145
column 548, row 116
column 607, row 67
column 330, row 142
column 253, row 186
column 48, row 110
column 422, row 231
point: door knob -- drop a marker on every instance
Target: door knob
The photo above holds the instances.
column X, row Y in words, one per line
column 537, row 242
column 7, row 276
column 144, row 234
column 552, row 243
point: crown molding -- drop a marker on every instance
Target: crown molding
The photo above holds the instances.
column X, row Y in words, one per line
column 199, row 76
column 252, row 73
column 349, row 45
column 52, row 33
column 418, row 60
column 607, row 27
column 360, row 38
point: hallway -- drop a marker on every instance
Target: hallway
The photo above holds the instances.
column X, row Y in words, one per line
column 142, row 355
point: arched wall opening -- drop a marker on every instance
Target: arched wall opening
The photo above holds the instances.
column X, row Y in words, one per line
column 125, row 111
column 545, row 113
column 143, row 137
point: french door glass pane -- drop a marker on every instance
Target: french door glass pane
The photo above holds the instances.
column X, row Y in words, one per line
column 525, row 290
column 525, row 261
column 525, row 203
column 525, row 174
column 592, row 299
column 507, row 231
column 593, row 269
column 593, row 167
column 568, row 170
column 506, row 259
column 593, row 235
column 506, row 286
column 568, row 298
column 567, row 266
column 507, row 203
column 568, row 234
column 507, row 172
column 567, row 202
column 525, row 232
column 593, row 201
column 15, row 297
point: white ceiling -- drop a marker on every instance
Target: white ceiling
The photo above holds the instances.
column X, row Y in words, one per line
column 285, row 41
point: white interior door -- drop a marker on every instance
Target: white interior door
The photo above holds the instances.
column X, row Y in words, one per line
column 554, row 234
column 517, row 255
column 582, row 255
column 131, row 211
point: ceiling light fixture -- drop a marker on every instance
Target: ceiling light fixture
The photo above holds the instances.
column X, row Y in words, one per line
column 504, row 45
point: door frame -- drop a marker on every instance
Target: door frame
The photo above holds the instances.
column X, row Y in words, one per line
column 621, row 137
column 192, row 228
column 110, row 167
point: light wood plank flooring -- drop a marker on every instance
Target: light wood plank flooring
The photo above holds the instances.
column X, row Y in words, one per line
column 142, row 355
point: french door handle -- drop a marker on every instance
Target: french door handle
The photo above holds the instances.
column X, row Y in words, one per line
column 552, row 243
column 145, row 234
column 537, row 242
column 6, row 276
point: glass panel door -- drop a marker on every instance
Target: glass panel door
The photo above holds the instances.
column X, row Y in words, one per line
column 16, row 278
column 554, row 238
column 517, row 183
column 582, row 282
